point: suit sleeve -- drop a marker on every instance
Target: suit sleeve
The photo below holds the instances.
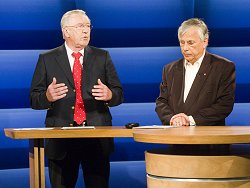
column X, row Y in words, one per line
column 163, row 108
column 113, row 83
column 223, row 105
column 38, row 99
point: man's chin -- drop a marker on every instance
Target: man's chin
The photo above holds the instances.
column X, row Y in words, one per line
column 84, row 42
column 188, row 58
column 82, row 45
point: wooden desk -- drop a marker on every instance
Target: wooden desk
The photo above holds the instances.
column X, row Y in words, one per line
column 185, row 170
column 36, row 144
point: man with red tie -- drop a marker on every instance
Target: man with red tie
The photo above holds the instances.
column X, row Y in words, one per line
column 77, row 84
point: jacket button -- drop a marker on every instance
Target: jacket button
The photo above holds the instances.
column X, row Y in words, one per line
column 71, row 124
column 73, row 107
column 74, row 90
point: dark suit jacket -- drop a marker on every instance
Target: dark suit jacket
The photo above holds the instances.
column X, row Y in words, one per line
column 211, row 97
column 96, row 64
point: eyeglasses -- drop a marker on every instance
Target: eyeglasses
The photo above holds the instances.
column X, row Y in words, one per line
column 81, row 27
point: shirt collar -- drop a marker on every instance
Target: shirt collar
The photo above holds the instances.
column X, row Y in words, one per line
column 198, row 62
column 69, row 51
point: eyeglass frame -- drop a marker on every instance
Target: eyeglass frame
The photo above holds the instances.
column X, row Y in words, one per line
column 81, row 27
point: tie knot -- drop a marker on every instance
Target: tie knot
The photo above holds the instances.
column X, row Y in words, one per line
column 76, row 55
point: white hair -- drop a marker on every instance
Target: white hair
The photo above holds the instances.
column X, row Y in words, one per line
column 66, row 17
column 194, row 22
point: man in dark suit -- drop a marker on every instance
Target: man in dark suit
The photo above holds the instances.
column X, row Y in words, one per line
column 77, row 83
column 198, row 89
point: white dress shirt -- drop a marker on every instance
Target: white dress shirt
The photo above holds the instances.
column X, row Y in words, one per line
column 71, row 58
column 190, row 74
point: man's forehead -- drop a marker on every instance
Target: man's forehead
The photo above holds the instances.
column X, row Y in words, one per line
column 190, row 32
column 79, row 17
column 190, row 35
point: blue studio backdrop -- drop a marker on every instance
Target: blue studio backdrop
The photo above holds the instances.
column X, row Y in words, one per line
column 141, row 36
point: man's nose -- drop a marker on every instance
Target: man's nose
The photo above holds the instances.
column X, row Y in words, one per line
column 185, row 46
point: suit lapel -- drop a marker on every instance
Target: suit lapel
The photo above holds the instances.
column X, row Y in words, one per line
column 88, row 57
column 63, row 61
column 199, row 81
column 87, row 63
column 178, row 86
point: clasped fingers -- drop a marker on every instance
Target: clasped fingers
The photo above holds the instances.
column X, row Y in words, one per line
column 180, row 119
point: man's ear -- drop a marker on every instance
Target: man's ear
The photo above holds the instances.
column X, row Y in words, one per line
column 65, row 32
column 205, row 43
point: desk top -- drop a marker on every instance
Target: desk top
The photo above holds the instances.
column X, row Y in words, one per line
column 194, row 135
column 99, row 131
column 180, row 135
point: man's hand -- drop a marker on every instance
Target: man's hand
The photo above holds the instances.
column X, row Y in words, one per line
column 180, row 119
column 101, row 91
column 56, row 91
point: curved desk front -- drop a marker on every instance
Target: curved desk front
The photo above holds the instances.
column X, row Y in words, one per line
column 193, row 169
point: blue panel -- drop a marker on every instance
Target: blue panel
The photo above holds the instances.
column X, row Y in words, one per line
column 224, row 13
column 139, row 69
column 229, row 37
column 30, row 39
column 134, row 65
column 17, row 118
column 227, row 20
column 32, row 24
column 17, row 68
column 42, row 39
column 125, row 23
column 142, row 65
column 35, row 25
column 240, row 115
column 131, row 112
column 33, row 15
column 137, row 14
column 240, row 56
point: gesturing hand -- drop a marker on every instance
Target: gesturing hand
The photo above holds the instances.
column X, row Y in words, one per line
column 101, row 91
column 56, row 91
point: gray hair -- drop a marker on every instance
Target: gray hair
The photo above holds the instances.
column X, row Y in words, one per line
column 66, row 17
column 194, row 22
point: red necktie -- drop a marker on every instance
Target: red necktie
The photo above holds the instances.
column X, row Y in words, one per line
column 79, row 114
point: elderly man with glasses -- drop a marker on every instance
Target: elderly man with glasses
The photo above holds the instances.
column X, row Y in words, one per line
column 77, row 84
